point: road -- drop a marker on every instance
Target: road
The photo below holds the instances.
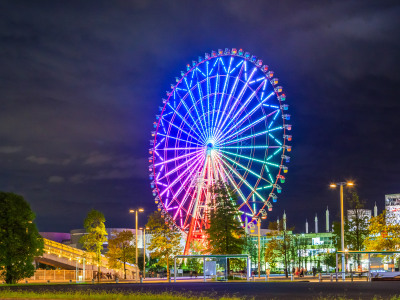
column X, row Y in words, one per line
column 248, row 290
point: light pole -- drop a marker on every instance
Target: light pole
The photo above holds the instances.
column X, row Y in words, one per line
column 136, row 238
column 334, row 185
column 259, row 246
column 144, row 251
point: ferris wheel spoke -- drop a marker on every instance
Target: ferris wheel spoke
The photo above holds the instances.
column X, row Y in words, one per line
column 215, row 98
column 242, row 179
column 208, row 100
column 274, row 118
column 249, row 147
column 183, row 148
column 233, row 91
column 184, row 121
column 240, row 111
column 180, row 166
column 221, row 139
column 188, row 168
column 176, row 158
column 181, row 205
column 242, row 107
column 200, row 131
column 247, row 116
column 275, row 139
column 251, row 136
column 226, row 138
column 244, row 167
column 185, row 182
column 184, row 131
column 194, row 106
column 252, row 159
column 239, row 98
column 235, row 186
column 178, row 139
column 275, row 153
column 198, row 84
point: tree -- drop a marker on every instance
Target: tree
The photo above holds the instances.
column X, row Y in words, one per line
column 271, row 253
column 357, row 223
column 165, row 241
column 121, row 249
column 20, row 241
column 281, row 248
column 194, row 264
column 95, row 237
column 250, row 248
column 384, row 234
column 225, row 233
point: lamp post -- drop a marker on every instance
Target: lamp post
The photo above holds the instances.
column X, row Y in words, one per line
column 135, row 211
column 259, row 246
column 144, row 251
column 334, row 185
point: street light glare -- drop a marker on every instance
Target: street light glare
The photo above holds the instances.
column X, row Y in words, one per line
column 332, row 185
column 131, row 211
column 350, row 183
column 141, row 210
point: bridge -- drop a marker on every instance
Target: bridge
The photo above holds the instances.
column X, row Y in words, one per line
column 75, row 261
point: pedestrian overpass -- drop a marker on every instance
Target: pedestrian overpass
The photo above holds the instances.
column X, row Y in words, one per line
column 69, row 258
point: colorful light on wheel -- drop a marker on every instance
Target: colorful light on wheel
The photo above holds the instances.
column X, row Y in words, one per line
column 223, row 119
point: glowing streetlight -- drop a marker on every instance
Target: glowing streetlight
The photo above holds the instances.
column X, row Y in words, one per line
column 135, row 211
column 334, row 185
column 144, row 250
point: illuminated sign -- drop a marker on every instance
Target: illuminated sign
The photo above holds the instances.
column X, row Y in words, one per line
column 317, row 241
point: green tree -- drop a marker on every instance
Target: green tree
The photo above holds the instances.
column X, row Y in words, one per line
column 95, row 237
column 357, row 223
column 271, row 254
column 250, row 248
column 281, row 247
column 121, row 249
column 165, row 241
column 20, row 241
column 194, row 264
column 225, row 233
column 384, row 234
column 329, row 259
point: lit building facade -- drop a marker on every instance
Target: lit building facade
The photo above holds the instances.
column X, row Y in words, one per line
column 392, row 206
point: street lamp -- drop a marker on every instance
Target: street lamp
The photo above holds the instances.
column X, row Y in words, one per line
column 135, row 211
column 259, row 246
column 144, row 250
column 334, row 185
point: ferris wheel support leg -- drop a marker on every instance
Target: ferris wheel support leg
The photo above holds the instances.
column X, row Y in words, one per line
column 193, row 221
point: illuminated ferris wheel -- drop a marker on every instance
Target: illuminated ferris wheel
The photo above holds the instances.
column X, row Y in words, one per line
column 225, row 119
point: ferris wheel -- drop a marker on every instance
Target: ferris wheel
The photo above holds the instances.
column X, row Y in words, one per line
column 224, row 118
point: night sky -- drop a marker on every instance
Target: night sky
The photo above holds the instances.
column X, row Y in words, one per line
column 81, row 82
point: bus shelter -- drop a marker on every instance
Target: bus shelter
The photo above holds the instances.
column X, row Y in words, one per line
column 210, row 263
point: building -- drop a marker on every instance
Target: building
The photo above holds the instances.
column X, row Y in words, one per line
column 392, row 206
column 361, row 213
column 311, row 250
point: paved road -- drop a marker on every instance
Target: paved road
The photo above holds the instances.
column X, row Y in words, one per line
column 248, row 290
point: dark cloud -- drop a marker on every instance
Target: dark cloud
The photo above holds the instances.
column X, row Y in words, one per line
column 56, row 179
column 81, row 83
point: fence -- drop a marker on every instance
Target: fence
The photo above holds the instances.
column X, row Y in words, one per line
column 60, row 275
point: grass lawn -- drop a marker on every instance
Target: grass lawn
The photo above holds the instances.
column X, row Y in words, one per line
column 8, row 294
